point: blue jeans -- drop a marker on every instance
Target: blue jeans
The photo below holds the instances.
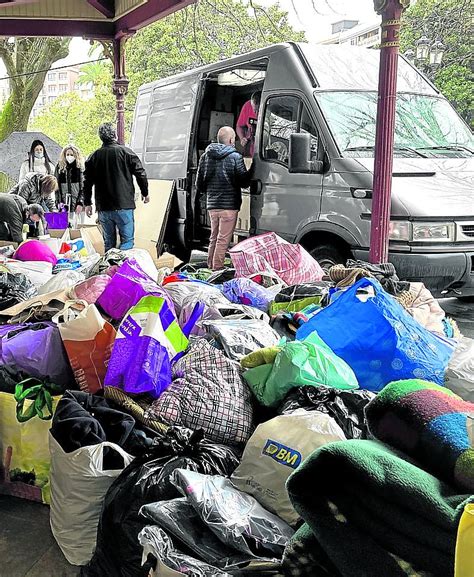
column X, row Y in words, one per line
column 123, row 220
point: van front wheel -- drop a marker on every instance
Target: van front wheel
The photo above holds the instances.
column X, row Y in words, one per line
column 328, row 255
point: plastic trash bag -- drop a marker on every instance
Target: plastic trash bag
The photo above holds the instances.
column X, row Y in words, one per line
column 90, row 289
column 459, row 376
column 346, row 407
column 147, row 480
column 37, row 349
column 310, row 362
column 62, row 281
column 148, row 340
column 247, row 292
column 15, row 288
column 235, row 517
column 275, row 450
column 179, row 519
column 297, row 297
column 38, row 273
column 380, row 341
column 128, row 285
column 169, row 561
column 241, row 337
column 181, row 291
column 216, row 306
column 113, row 257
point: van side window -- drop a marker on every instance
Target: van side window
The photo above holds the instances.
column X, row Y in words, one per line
column 283, row 116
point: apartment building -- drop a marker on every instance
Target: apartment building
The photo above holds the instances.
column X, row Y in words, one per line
column 354, row 33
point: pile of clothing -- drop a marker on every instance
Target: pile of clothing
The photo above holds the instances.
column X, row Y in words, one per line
column 245, row 422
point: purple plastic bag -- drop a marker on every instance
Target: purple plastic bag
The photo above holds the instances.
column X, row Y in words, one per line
column 149, row 339
column 245, row 291
column 38, row 350
column 56, row 220
column 129, row 284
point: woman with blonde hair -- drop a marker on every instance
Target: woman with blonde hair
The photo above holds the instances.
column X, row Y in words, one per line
column 70, row 175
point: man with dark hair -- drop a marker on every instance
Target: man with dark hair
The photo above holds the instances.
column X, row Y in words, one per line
column 37, row 188
column 110, row 170
column 247, row 123
column 221, row 176
column 15, row 213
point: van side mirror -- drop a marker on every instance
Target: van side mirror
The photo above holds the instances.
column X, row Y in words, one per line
column 300, row 155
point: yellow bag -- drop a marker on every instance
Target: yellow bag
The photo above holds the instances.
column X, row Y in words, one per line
column 464, row 563
column 24, row 452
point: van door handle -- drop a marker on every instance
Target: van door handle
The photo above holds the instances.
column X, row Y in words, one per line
column 256, row 186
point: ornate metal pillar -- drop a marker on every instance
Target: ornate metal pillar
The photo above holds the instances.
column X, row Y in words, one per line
column 391, row 11
column 120, row 86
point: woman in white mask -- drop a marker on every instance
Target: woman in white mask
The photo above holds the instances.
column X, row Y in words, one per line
column 70, row 176
column 38, row 161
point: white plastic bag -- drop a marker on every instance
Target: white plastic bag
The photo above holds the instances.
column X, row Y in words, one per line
column 459, row 376
column 62, row 281
column 78, row 487
column 180, row 291
column 38, row 272
column 145, row 260
column 275, row 450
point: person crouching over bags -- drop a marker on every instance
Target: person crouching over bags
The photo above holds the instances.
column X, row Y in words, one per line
column 15, row 213
column 70, row 176
column 37, row 189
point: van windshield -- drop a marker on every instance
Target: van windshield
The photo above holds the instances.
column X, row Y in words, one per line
column 425, row 125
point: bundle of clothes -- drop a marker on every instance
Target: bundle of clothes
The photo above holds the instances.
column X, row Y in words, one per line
column 230, row 424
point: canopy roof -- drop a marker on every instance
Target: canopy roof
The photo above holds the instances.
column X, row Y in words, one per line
column 99, row 19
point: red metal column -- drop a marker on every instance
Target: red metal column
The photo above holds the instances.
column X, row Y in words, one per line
column 391, row 11
column 120, row 86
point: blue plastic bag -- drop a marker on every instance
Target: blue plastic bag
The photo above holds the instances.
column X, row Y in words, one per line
column 378, row 339
column 245, row 291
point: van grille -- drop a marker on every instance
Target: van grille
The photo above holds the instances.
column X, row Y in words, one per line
column 468, row 230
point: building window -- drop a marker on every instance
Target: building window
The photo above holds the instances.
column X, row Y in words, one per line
column 63, row 88
column 52, row 89
column 51, row 76
column 63, row 76
column 51, row 99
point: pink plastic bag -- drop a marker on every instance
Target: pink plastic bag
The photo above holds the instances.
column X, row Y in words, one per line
column 35, row 250
column 268, row 253
column 128, row 285
column 90, row 289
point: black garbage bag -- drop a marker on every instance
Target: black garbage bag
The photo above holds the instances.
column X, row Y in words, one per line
column 15, row 288
column 179, row 520
column 147, row 480
column 10, row 376
column 346, row 407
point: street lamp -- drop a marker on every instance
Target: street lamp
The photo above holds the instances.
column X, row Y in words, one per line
column 427, row 55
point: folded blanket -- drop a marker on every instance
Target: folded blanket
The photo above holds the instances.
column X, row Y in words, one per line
column 369, row 508
column 430, row 424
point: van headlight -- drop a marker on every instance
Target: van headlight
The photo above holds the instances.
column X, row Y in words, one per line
column 401, row 230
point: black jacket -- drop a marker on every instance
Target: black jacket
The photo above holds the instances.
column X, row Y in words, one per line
column 71, row 186
column 13, row 213
column 111, row 169
column 221, row 175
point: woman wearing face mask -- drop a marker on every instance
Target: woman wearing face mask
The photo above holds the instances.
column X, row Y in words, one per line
column 70, row 175
column 38, row 161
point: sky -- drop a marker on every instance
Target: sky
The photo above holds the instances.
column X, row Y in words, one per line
column 316, row 25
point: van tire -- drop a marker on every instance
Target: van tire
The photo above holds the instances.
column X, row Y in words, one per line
column 328, row 255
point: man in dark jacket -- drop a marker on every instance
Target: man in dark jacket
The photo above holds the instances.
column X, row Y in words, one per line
column 221, row 176
column 15, row 213
column 111, row 169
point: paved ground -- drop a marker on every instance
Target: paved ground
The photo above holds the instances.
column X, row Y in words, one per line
column 27, row 548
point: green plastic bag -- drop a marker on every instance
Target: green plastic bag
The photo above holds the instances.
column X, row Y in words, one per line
column 299, row 363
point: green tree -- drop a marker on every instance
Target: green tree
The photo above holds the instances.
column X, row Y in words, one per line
column 96, row 73
column 205, row 32
column 73, row 120
column 451, row 22
column 27, row 61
